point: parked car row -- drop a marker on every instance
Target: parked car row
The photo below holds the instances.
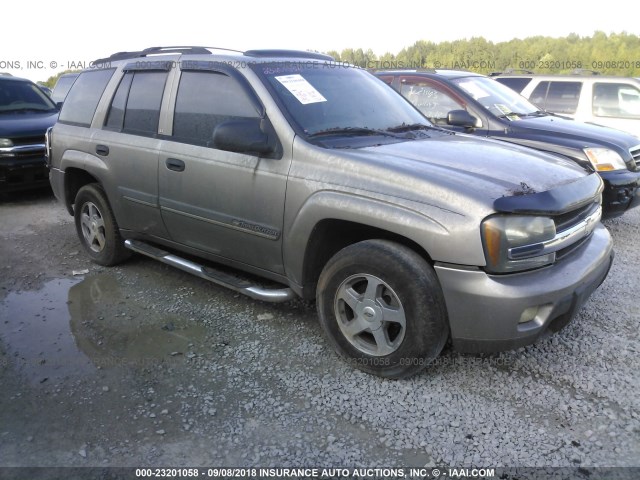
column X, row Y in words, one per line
column 604, row 100
column 328, row 185
column 476, row 104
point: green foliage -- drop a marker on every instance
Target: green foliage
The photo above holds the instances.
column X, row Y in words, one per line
column 613, row 54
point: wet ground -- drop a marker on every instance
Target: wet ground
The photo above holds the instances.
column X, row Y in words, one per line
column 144, row 365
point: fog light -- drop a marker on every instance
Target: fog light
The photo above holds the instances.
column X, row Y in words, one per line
column 529, row 314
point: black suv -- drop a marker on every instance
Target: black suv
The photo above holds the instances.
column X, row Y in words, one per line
column 473, row 103
column 26, row 113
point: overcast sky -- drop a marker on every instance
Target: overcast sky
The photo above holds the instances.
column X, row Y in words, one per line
column 67, row 31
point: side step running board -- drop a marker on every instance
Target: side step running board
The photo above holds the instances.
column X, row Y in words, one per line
column 215, row 276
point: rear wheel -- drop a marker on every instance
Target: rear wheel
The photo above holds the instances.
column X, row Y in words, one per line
column 97, row 227
column 381, row 305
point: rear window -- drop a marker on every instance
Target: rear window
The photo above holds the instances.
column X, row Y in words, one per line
column 82, row 100
column 557, row 97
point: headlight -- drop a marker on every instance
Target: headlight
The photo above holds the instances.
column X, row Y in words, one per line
column 604, row 160
column 5, row 143
column 502, row 234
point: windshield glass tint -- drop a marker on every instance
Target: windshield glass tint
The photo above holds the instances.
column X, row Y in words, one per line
column 17, row 95
column 495, row 97
column 321, row 97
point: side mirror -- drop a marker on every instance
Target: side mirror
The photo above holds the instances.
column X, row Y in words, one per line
column 461, row 118
column 242, row 136
column 59, row 105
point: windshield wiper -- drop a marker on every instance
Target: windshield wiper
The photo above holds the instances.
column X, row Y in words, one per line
column 537, row 113
column 409, row 127
column 29, row 110
column 351, row 131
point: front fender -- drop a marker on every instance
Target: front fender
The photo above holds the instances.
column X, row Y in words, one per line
column 444, row 235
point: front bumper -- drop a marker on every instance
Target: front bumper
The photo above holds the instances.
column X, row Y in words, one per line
column 485, row 310
column 17, row 173
column 621, row 192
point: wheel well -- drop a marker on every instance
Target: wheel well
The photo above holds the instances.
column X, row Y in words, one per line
column 75, row 179
column 330, row 236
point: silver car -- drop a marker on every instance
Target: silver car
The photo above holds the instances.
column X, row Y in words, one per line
column 318, row 178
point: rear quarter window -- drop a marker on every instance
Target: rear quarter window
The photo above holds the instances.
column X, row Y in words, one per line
column 82, row 100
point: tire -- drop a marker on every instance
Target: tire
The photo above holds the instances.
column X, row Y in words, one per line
column 97, row 227
column 382, row 308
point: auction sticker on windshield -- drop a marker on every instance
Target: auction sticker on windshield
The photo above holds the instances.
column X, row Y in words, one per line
column 301, row 89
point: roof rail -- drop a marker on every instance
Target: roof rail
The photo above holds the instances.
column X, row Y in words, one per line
column 159, row 51
column 584, row 71
column 511, row 71
column 288, row 54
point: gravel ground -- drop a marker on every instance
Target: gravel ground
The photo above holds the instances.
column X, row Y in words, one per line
column 144, row 365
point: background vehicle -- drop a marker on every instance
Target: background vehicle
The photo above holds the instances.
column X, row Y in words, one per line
column 320, row 178
column 473, row 103
column 25, row 114
column 604, row 100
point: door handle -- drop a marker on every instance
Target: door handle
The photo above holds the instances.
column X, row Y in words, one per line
column 175, row 164
column 102, row 150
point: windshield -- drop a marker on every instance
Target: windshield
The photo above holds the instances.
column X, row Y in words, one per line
column 21, row 96
column 497, row 98
column 324, row 99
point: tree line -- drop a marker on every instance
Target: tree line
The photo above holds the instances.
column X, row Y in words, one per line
column 613, row 54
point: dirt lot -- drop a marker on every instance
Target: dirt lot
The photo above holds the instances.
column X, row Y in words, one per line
column 143, row 365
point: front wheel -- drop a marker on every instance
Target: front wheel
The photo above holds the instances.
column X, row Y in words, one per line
column 382, row 308
column 97, row 227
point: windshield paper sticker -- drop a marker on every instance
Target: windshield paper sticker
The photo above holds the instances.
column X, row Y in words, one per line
column 301, row 89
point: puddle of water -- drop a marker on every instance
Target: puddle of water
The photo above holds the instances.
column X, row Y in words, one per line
column 34, row 327
column 70, row 327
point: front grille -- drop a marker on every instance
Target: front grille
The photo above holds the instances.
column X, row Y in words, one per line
column 33, row 140
column 567, row 220
column 572, row 219
column 635, row 153
column 25, row 148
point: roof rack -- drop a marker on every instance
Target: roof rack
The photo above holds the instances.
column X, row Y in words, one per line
column 584, row 71
column 159, row 51
column 511, row 71
column 288, row 54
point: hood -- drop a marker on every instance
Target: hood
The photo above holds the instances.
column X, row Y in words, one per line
column 27, row 124
column 567, row 132
column 448, row 168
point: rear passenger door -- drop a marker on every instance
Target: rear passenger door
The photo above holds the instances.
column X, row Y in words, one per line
column 129, row 142
column 227, row 204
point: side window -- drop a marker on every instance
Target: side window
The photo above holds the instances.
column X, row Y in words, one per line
column 135, row 107
column 388, row 79
column 434, row 103
column 562, row 97
column 115, row 118
column 82, row 100
column 616, row 100
column 204, row 100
